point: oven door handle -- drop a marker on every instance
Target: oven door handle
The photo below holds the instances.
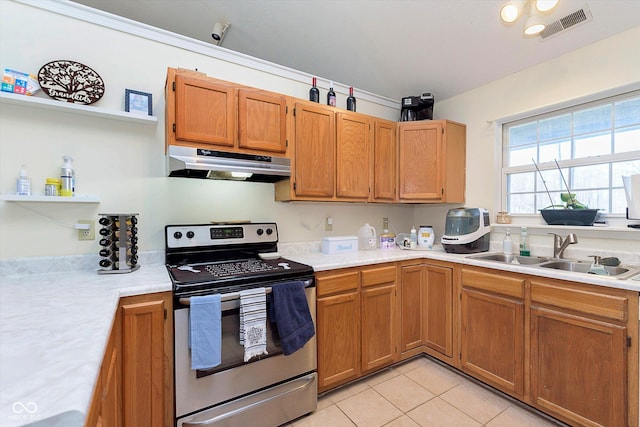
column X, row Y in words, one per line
column 236, row 295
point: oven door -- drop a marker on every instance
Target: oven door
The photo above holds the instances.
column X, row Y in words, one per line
column 197, row 390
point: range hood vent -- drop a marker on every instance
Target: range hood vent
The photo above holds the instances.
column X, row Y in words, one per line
column 188, row 162
column 569, row 21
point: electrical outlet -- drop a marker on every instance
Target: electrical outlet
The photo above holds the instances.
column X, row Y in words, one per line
column 89, row 234
column 328, row 225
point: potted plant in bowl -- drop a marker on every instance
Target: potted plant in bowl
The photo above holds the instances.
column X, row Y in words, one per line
column 572, row 212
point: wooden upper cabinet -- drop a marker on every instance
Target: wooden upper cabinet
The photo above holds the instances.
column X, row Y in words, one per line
column 204, row 111
column 420, row 166
column 431, row 161
column 384, row 161
column 262, row 121
column 353, row 162
column 315, row 154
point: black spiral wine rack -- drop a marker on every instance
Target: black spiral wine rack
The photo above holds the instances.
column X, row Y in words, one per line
column 118, row 243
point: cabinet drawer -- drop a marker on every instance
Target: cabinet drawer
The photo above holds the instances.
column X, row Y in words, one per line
column 378, row 276
column 500, row 284
column 609, row 306
column 326, row 285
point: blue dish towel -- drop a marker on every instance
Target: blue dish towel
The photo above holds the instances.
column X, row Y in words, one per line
column 290, row 312
column 205, row 326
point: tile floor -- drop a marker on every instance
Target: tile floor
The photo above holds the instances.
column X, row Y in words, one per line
column 419, row 392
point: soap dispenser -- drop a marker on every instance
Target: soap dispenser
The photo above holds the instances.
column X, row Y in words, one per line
column 507, row 244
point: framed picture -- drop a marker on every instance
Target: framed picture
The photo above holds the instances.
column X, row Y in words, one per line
column 137, row 102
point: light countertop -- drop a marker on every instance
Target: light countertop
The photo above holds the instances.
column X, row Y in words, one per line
column 54, row 326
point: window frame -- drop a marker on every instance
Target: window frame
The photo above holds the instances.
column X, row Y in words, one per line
column 569, row 106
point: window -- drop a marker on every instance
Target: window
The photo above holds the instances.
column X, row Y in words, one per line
column 594, row 144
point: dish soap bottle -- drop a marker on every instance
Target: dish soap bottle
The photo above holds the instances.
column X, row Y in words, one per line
column 413, row 237
column 68, row 177
column 507, row 244
column 524, row 242
column 23, row 183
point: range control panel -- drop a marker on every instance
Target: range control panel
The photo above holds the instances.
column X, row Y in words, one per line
column 194, row 235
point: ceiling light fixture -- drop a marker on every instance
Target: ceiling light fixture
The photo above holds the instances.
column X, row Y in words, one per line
column 219, row 31
column 513, row 9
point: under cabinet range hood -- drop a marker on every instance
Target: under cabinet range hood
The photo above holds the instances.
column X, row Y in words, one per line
column 189, row 162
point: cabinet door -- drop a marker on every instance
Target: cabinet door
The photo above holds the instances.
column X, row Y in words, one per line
column 262, row 121
column 411, row 315
column 384, row 161
column 111, row 412
column 315, row 155
column 578, row 368
column 145, row 345
column 420, row 161
column 353, row 156
column 338, row 332
column 205, row 112
column 493, row 339
column 437, row 309
column 378, row 298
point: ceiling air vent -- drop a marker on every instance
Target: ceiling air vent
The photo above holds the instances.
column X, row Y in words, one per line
column 571, row 20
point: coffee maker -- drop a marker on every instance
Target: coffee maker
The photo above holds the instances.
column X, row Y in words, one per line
column 417, row 108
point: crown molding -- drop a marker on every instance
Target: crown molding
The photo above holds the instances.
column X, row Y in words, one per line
column 139, row 29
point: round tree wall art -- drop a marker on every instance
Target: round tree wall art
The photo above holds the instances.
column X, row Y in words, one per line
column 71, row 81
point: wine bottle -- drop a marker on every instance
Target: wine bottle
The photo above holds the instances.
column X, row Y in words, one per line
column 314, row 93
column 351, row 100
column 331, row 96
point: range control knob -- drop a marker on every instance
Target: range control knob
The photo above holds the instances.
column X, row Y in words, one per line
column 269, row 231
column 177, row 235
column 190, row 234
column 260, row 231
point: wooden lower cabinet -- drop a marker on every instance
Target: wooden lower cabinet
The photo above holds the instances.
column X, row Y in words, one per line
column 135, row 386
column 580, row 351
column 106, row 404
column 492, row 336
column 355, row 323
column 426, row 310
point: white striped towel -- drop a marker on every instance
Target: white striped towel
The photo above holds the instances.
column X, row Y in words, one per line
column 253, row 322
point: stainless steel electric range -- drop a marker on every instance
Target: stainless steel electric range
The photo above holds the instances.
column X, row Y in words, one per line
column 204, row 259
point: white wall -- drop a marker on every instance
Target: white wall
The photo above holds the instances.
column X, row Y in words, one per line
column 124, row 163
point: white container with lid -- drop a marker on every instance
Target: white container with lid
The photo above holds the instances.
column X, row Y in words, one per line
column 367, row 238
column 426, row 236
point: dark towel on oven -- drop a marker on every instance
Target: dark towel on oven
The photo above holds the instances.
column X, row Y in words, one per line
column 205, row 329
column 290, row 313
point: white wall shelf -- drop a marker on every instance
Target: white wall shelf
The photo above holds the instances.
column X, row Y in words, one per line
column 620, row 232
column 86, row 110
column 78, row 198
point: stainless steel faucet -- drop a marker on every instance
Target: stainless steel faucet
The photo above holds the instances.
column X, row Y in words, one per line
column 560, row 244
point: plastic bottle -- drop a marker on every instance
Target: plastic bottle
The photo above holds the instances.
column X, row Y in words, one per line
column 413, row 236
column 507, row 244
column 387, row 238
column 68, row 177
column 524, row 243
column 23, row 183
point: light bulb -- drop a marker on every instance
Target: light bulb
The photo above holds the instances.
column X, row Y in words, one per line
column 545, row 5
column 509, row 13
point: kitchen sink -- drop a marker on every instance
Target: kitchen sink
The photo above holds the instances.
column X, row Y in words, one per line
column 582, row 267
column 510, row 258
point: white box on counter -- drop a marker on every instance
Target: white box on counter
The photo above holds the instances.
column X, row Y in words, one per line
column 339, row 245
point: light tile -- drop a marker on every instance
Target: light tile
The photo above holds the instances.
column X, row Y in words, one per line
column 382, row 377
column 434, row 377
column 347, row 391
column 403, row 421
column 323, row 402
column 404, row 393
column 329, row 416
column 438, row 413
column 516, row 416
column 369, row 409
column 476, row 401
column 412, row 364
